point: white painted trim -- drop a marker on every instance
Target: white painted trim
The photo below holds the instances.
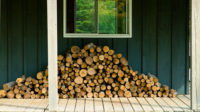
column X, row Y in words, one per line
column 96, row 35
column 52, row 54
column 195, row 56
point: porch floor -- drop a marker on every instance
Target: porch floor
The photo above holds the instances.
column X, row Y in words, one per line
column 181, row 103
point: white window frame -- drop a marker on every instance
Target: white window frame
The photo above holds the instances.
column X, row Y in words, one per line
column 96, row 35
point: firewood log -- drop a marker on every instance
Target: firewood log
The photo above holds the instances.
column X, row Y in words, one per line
column 10, row 94
column 78, row 80
column 75, row 49
column 9, row 85
column 83, row 73
column 91, row 71
column 106, row 49
column 89, row 60
column 2, row 93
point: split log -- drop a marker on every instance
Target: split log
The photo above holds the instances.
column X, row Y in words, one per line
column 9, row 85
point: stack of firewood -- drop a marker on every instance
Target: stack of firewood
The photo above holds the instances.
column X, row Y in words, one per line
column 91, row 72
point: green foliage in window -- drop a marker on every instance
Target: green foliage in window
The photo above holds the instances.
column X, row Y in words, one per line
column 110, row 15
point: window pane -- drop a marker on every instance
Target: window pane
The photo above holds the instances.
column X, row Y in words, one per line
column 112, row 17
column 81, row 17
column 97, row 16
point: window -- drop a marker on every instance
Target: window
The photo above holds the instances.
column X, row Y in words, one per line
column 98, row 18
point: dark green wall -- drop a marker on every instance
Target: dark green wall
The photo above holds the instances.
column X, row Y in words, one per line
column 159, row 44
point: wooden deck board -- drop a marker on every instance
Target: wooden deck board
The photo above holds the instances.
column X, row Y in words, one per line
column 80, row 105
column 126, row 105
column 108, row 107
column 135, row 104
column 163, row 104
column 180, row 103
column 173, row 105
column 42, row 104
column 71, row 104
column 145, row 105
column 89, row 105
column 188, row 96
column 117, row 105
column 154, row 104
column 184, row 99
column 98, row 105
column 62, row 103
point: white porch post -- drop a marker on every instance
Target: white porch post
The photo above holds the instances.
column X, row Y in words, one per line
column 195, row 48
column 52, row 54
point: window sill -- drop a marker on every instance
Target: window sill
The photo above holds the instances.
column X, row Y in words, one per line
column 97, row 36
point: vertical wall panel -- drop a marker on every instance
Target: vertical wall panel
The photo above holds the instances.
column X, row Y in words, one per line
column 90, row 40
column 63, row 43
column 149, row 35
column 103, row 42
column 120, row 46
column 30, row 37
column 42, row 50
column 3, row 43
column 15, row 39
column 135, row 43
column 74, row 41
column 178, row 45
column 164, row 41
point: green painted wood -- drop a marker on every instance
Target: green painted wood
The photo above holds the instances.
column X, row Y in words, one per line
column 149, row 36
column 30, row 37
column 3, row 43
column 188, row 36
column 164, row 42
column 15, row 39
column 120, row 46
column 42, row 55
column 178, row 45
column 135, row 43
column 90, row 40
column 77, row 42
column 103, row 42
column 63, row 42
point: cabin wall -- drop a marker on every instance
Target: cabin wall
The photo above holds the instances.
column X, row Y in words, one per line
column 159, row 44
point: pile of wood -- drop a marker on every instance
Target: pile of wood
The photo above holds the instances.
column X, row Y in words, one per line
column 93, row 71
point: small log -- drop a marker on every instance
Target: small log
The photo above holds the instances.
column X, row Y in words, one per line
column 18, row 96
column 90, row 95
column 39, row 75
column 80, row 61
column 2, row 93
column 20, row 80
column 60, row 57
column 123, row 61
column 9, row 85
column 75, row 49
column 127, row 94
column 91, row 71
column 10, row 94
column 111, row 52
column 98, row 49
column 101, row 95
column 101, row 57
column 27, row 95
column 120, row 93
column 89, row 60
column 120, row 73
column 106, row 49
column 78, row 80
column 83, row 73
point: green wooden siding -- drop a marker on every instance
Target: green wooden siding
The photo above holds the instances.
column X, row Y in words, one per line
column 159, row 44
